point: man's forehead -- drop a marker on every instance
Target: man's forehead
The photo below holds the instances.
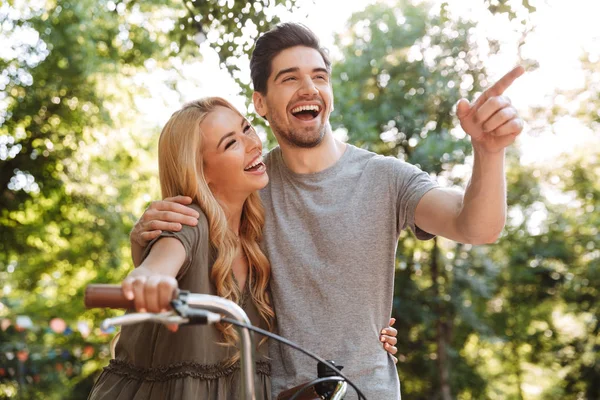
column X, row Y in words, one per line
column 298, row 57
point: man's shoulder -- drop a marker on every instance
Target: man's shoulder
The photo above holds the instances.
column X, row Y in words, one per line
column 358, row 158
column 376, row 162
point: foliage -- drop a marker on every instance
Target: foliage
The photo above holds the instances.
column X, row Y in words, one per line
column 403, row 72
column 511, row 8
column 77, row 168
column 74, row 160
column 486, row 321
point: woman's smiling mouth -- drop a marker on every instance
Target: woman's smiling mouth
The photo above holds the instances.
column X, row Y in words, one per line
column 257, row 165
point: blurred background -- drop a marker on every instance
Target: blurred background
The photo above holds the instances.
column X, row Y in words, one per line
column 86, row 85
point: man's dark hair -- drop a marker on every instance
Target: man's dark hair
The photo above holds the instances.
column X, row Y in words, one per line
column 282, row 37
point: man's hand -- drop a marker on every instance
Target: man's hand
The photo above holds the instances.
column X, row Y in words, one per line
column 491, row 121
column 389, row 340
column 164, row 215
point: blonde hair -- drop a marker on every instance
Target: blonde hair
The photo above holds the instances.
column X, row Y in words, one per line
column 181, row 172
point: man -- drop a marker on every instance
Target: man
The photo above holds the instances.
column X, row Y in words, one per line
column 334, row 212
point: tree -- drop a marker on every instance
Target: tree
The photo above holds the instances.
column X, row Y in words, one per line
column 474, row 322
column 73, row 158
column 577, row 178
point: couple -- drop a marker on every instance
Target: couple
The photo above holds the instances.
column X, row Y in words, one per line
column 332, row 214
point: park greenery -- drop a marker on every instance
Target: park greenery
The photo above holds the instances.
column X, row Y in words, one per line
column 514, row 320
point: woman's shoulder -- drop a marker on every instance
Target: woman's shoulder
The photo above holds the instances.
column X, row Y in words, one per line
column 202, row 219
column 196, row 242
column 198, row 232
column 194, row 238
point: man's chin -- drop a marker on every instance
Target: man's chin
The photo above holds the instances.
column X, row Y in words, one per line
column 306, row 138
column 301, row 137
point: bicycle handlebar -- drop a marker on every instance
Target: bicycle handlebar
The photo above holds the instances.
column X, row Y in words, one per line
column 168, row 317
column 111, row 296
column 106, row 296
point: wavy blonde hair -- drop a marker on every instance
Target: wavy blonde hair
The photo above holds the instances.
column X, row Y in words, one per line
column 181, row 171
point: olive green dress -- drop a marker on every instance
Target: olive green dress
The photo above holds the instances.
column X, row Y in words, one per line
column 152, row 363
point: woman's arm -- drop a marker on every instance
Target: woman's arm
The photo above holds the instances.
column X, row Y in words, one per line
column 151, row 285
column 165, row 215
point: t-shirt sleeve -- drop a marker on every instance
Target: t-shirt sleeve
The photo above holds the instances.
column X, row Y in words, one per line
column 410, row 184
column 190, row 237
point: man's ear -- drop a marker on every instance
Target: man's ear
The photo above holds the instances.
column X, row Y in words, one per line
column 260, row 104
column 332, row 98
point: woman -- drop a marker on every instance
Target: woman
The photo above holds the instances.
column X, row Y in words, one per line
column 209, row 152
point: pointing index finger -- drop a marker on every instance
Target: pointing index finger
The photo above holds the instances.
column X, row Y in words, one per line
column 498, row 88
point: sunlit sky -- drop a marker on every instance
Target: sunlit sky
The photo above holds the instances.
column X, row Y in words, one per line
column 564, row 30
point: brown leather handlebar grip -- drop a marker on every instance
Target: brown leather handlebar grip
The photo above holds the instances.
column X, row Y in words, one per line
column 106, row 296
column 309, row 394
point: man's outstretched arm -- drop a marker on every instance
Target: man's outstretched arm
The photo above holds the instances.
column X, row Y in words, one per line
column 478, row 215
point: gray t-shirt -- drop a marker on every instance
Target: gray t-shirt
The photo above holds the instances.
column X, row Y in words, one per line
column 331, row 238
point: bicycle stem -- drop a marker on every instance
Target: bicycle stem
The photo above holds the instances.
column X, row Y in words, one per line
column 229, row 308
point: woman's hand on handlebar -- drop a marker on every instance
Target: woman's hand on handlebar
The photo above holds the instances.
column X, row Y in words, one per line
column 152, row 285
column 150, row 293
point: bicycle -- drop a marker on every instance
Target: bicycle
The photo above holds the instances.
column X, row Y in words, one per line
column 193, row 308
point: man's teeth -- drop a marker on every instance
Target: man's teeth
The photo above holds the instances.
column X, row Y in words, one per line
column 254, row 164
column 313, row 107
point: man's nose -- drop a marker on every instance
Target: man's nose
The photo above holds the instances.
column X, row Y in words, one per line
column 308, row 87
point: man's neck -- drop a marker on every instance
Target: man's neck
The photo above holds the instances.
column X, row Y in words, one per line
column 315, row 159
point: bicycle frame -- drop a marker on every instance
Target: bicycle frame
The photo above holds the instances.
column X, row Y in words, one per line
column 231, row 309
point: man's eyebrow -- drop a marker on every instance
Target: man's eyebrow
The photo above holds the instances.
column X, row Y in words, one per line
column 285, row 71
column 229, row 134
column 296, row 69
column 321, row 69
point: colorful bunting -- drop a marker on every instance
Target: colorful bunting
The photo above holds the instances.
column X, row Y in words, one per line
column 83, row 328
column 23, row 322
column 4, row 324
column 58, row 325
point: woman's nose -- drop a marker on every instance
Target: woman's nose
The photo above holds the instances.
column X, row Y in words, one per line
column 252, row 142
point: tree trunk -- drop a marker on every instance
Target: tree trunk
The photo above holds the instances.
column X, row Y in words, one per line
column 442, row 331
column 518, row 371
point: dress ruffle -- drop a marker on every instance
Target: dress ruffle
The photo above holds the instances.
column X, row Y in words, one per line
column 121, row 380
column 187, row 369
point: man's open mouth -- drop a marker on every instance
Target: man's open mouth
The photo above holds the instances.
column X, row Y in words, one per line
column 255, row 165
column 307, row 112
